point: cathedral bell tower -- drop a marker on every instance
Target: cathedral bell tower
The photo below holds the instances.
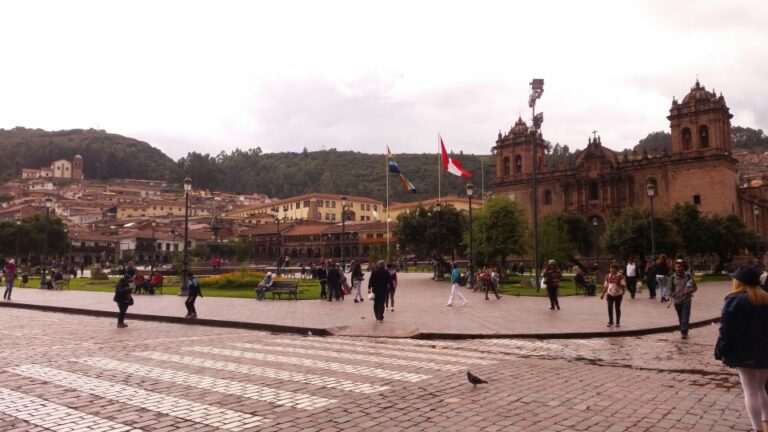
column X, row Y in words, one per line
column 513, row 153
column 700, row 124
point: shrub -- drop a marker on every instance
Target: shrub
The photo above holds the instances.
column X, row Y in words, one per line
column 238, row 279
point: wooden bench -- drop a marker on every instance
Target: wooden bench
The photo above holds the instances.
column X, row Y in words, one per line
column 159, row 287
column 280, row 287
column 62, row 284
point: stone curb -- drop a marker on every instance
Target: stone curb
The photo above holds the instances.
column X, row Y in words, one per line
column 174, row 320
column 326, row 332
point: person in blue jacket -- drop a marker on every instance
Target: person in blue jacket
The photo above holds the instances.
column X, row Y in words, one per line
column 743, row 341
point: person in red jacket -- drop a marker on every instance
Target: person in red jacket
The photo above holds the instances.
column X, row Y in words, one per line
column 10, row 277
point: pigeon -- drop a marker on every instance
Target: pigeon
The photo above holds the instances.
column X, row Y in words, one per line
column 475, row 380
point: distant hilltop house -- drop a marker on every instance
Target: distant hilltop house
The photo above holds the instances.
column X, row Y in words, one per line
column 61, row 168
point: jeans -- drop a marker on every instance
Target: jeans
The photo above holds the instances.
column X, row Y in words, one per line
column 190, row 304
column 8, row 289
column 323, row 292
column 683, row 315
column 358, row 284
column 614, row 302
column 390, row 299
column 662, row 282
column 122, row 308
column 632, row 285
column 553, row 302
column 261, row 292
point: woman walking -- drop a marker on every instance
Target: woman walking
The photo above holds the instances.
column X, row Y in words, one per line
column 379, row 285
column 455, row 285
column 743, row 341
column 357, row 281
column 123, row 299
column 194, row 290
column 662, row 276
column 551, row 277
column 391, row 297
column 10, row 277
column 614, row 287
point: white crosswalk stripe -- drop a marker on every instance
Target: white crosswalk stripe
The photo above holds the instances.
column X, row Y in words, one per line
column 169, row 405
column 320, row 364
column 278, row 397
column 445, row 348
column 53, row 416
column 382, row 350
column 317, row 380
column 328, row 353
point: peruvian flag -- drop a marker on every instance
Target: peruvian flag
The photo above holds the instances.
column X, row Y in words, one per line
column 452, row 165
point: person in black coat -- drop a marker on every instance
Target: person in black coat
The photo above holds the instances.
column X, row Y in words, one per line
column 334, row 282
column 123, row 299
column 380, row 283
column 322, row 276
column 743, row 341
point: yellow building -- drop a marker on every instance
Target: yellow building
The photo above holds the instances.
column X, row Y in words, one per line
column 460, row 203
column 315, row 207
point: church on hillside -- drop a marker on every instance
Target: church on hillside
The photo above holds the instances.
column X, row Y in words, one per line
column 598, row 183
column 61, row 168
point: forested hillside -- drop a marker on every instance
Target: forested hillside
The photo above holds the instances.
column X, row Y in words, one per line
column 331, row 171
column 114, row 156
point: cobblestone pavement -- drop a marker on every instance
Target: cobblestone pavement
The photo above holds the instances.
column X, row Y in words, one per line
column 77, row 373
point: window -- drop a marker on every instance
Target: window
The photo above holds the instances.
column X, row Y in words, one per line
column 703, row 137
column 547, row 196
column 328, row 204
column 697, row 199
column 506, row 166
column 327, row 216
column 319, row 203
column 518, row 164
column 594, row 191
column 375, row 207
column 333, row 204
column 306, row 203
column 686, row 139
column 333, row 216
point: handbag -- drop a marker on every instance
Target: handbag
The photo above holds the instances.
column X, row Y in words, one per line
column 371, row 296
column 130, row 300
column 639, row 287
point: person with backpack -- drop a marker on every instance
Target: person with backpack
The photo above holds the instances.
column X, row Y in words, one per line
column 551, row 278
column 193, row 287
column 456, row 283
column 681, row 289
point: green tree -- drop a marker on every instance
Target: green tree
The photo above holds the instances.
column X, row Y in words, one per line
column 499, row 230
column 689, row 225
column 629, row 234
column 425, row 231
column 563, row 236
column 725, row 236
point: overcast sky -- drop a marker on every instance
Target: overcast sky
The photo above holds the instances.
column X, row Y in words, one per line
column 359, row 75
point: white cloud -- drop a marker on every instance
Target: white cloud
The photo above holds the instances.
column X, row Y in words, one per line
column 211, row 76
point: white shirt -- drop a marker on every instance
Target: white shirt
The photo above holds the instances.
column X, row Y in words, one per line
column 631, row 270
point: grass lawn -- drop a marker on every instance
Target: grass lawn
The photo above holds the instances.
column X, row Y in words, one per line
column 308, row 289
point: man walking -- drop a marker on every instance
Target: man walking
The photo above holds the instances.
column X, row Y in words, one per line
column 322, row 276
column 380, row 283
column 334, row 282
column 681, row 288
column 10, row 277
column 194, row 292
column 455, row 285
column 631, row 276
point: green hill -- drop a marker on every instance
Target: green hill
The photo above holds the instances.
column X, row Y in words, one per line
column 114, row 156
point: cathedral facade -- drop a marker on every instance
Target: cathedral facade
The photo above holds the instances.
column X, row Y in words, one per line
column 598, row 183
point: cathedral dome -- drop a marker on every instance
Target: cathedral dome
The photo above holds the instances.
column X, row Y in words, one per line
column 699, row 94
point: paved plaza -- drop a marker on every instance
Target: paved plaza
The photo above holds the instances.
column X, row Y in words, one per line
column 73, row 372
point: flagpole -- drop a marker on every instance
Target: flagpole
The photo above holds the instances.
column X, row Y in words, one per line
column 482, row 178
column 439, row 168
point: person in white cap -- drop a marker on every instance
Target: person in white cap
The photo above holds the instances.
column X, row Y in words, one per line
column 10, row 277
column 264, row 286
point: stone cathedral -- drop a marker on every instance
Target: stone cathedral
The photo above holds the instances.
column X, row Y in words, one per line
column 599, row 182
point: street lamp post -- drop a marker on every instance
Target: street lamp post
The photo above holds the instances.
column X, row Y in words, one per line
column 756, row 212
column 595, row 223
column 438, row 211
column 470, row 191
column 18, row 228
column 537, row 90
column 48, row 205
column 185, row 260
column 279, row 246
column 650, row 189
column 154, row 248
column 344, row 204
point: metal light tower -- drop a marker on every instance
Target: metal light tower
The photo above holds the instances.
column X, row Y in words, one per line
column 537, row 90
column 650, row 189
column 48, row 205
column 18, row 228
column 154, row 248
column 279, row 246
column 756, row 212
column 595, row 223
column 470, row 191
column 344, row 205
column 185, row 260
